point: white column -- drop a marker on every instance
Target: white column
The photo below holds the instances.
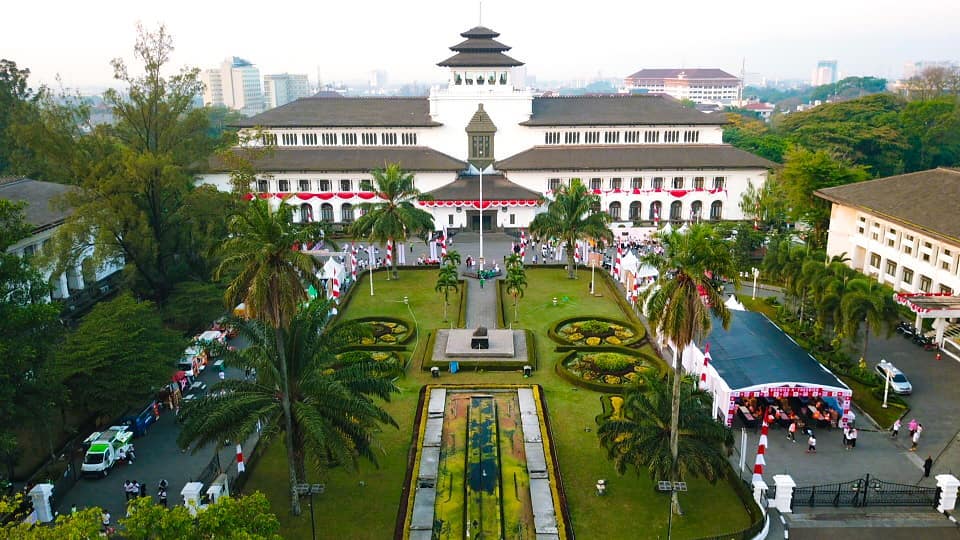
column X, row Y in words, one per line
column 40, row 497
column 784, row 485
column 64, row 286
column 940, row 325
column 191, row 496
column 948, row 485
column 79, row 271
column 760, row 494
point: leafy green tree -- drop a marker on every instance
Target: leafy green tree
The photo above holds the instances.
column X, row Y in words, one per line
column 516, row 282
column 932, row 129
column 118, row 357
column 396, row 217
column 805, row 172
column 933, row 82
column 871, row 304
column 330, row 403
column 754, row 136
column 15, row 96
column 192, row 305
column 246, row 518
column 681, row 303
column 641, row 436
column 447, row 279
column 570, row 216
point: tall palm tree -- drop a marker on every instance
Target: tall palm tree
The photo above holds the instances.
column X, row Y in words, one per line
column 870, row 303
column 681, row 303
column 331, row 394
column 270, row 277
column 639, row 436
column 516, row 282
column 447, row 279
column 452, row 257
column 395, row 218
column 570, row 217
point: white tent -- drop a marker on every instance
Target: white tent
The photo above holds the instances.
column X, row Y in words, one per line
column 684, row 228
column 332, row 267
column 646, row 271
column 734, row 304
column 667, row 229
column 628, row 263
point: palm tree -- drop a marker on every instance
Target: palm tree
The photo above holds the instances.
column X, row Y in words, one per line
column 270, row 277
column 570, row 216
column 395, row 218
column 331, row 394
column 516, row 282
column 640, row 435
column 452, row 257
column 447, row 279
column 871, row 303
column 685, row 297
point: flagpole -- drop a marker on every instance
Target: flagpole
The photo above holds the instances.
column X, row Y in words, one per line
column 370, row 265
column 481, row 220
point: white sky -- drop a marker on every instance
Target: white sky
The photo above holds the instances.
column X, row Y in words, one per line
column 557, row 39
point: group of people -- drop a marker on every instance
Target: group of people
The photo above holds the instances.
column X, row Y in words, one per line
column 916, row 428
column 133, row 489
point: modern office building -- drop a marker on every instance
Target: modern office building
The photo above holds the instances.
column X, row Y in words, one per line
column 649, row 158
column 236, row 85
column 826, row 73
column 283, row 88
column 702, row 86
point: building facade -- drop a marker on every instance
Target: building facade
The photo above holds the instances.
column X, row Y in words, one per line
column 45, row 217
column 826, row 73
column 649, row 158
column 283, row 88
column 899, row 230
column 702, row 86
column 235, row 85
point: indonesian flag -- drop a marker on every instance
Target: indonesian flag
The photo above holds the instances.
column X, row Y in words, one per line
column 703, row 372
column 240, row 465
column 353, row 261
column 616, row 264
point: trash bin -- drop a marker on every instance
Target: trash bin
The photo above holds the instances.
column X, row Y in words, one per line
column 527, row 370
column 435, row 372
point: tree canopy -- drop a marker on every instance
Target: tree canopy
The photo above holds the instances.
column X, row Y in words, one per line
column 572, row 215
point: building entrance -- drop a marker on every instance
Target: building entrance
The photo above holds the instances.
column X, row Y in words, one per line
column 473, row 221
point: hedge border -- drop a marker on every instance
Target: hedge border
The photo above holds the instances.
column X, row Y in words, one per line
column 501, row 316
column 462, row 312
column 637, row 339
column 406, row 340
column 602, row 387
column 426, row 358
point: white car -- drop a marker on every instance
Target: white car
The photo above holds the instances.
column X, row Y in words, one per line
column 898, row 381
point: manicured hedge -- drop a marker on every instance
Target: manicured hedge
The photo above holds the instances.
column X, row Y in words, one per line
column 426, row 358
column 598, row 386
column 639, row 332
column 462, row 313
column 410, row 334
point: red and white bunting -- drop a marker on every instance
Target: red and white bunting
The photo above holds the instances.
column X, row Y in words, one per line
column 504, row 203
column 703, row 372
column 576, row 253
column 241, row 467
column 761, row 450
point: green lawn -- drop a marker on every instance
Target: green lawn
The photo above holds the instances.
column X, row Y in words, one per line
column 630, row 510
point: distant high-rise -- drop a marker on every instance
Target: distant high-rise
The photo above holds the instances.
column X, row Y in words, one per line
column 378, row 78
column 912, row 69
column 236, row 85
column 696, row 84
column 283, row 88
column 826, row 73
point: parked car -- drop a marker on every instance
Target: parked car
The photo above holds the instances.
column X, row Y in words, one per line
column 898, row 381
column 104, row 450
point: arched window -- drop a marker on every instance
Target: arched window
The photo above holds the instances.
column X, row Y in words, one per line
column 306, row 213
column 655, row 210
column 346, row 213
column 326, row 212
column 595, row 207
column 676, row 209
column 636, row 208
column 696, row 210
column 716, row 209
column 614, row 210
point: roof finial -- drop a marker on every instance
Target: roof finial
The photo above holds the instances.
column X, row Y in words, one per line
column 480, row 17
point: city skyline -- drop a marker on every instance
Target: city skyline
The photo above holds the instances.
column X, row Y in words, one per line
column 563, row 42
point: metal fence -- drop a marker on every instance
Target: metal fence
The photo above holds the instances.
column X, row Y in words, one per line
column 865, row 491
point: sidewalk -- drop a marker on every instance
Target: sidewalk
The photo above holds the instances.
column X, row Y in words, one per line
column 481, row 303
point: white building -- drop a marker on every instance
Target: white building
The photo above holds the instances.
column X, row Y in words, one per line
column 713, row 86
column 45, row 216
column 826, row 73
column 646, row 156
column 900, row 230
column 283, row 88
column 236, row 85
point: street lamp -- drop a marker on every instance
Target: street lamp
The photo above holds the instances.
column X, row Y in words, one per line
column 311, row 490
column 670, row 487
column 886, row 381
column 756, row 273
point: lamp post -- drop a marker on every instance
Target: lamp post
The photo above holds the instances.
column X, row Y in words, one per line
column 481, row 220
column 670, row 487
column 756, row 274
column 311, row 490
column 886, row 382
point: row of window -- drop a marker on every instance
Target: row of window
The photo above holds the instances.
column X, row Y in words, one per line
column 655, row 211
column 670, row 136
column 480, row 78
column 941, row 257
column 314, row 186
column 637, row 182
column 906, row 276
column 339, row 139
column 348, row 212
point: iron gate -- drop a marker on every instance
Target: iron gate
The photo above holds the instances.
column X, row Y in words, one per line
column 866, row 491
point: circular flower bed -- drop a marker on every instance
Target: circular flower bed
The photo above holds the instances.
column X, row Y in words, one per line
column 606, row 370
column 385, row 331
column 595, row 332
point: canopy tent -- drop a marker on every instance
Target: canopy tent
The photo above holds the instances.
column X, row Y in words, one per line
column 667, row 229
column 628, row 263
column 684, row 228
column 733, row 304
column 646, row 271
column 754, row 358
column 332, row 268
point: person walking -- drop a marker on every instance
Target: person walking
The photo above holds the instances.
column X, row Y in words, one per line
column 812, row 444
column 482, row 280
column 162, row 495
column 853, row 439
column 915, row 440
column 846, row 437
column 142, row 489
column 792, row 431
column 927, row 465
column 912, row 426
column 126, row 489
column 895, row 430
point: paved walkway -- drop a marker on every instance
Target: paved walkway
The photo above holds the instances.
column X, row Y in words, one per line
column 481, row 303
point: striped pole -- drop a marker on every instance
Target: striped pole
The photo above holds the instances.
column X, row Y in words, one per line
column 443, row 243
column 703, row 372
column 761, row 450
column 389, row 253
column 656, row 217
column 240, row 465
column 353, row 262
column 335, row 288
column 616, row 264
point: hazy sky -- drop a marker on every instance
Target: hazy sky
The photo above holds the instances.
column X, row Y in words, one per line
column 557, row 39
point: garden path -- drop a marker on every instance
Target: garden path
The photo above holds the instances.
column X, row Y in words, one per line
column 481, row 303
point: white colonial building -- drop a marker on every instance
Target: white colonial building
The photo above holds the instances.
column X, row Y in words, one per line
column 648, row 157
column 700, row 85
column 45, row 215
